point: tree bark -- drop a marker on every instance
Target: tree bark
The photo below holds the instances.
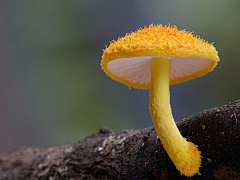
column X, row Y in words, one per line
column 135, row 154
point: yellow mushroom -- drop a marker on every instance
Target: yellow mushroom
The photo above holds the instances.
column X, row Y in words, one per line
column 154, row 58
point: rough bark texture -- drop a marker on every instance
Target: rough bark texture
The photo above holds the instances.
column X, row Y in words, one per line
column 135, row 154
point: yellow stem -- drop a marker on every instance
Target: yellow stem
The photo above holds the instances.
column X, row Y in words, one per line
column 184, row 154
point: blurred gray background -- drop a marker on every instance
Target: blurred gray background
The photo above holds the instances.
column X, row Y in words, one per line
column 52, row 88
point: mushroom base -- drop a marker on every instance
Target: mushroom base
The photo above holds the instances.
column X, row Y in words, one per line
column 188, row 159
column 185, row 155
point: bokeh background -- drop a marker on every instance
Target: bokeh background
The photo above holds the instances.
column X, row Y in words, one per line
column 52, row 88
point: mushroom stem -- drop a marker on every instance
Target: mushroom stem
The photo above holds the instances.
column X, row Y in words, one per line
column 183, row 154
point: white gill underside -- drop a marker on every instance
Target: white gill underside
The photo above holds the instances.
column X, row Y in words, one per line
column 138, row 69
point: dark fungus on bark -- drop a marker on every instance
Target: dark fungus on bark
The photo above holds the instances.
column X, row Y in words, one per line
column 135, row 154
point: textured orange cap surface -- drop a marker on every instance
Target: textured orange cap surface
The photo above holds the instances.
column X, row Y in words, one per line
column 159, row 41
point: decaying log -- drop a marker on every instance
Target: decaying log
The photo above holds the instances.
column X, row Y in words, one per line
column 135, row 154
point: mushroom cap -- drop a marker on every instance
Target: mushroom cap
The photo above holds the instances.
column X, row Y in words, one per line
column 128, row 60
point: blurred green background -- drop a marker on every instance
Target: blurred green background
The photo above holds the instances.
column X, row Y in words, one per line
column 52, row 88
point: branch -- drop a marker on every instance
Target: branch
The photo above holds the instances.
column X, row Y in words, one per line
column 135, row 154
